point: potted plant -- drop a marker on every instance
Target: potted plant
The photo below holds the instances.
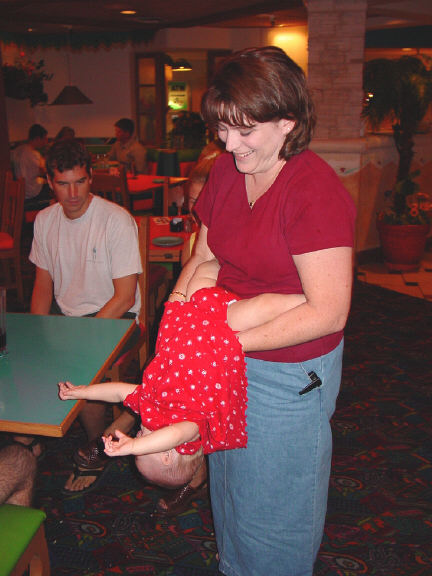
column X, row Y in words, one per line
column 25, row 79
column 400, row 91
column 189, row 131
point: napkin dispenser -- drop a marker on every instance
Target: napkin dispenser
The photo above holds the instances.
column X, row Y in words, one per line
column 176, row 225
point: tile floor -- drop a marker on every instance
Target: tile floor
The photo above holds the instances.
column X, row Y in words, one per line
column 418, row 284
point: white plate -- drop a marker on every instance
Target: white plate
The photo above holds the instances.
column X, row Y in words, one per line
column 167, row 240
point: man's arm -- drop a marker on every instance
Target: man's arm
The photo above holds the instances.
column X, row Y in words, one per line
column 140, row 159
column 112, row 154
column 42, row 294
column 123, row 298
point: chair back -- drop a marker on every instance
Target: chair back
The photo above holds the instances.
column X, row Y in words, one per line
column 3, row 174
column 143, row 278
column 111, row 186
column 13, row 208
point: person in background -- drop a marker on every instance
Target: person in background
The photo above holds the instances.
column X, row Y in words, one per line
column 28, row 163
column 195, row 183
column 200, row 172
column 127, row 150
column 87, row 260
column 279, row 221
column 17, row 475
column 65, row 133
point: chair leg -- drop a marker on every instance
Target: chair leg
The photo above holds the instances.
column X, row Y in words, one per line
column 36, row 557
column 18, row 279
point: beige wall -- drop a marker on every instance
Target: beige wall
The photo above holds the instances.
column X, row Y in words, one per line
column 106, row 76
column 366, row 165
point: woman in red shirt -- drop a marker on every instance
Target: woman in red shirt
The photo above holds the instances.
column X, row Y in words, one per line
column 278, row 220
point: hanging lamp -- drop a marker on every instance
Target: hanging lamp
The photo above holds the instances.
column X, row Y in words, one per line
column 70, row 94
column 181, row 65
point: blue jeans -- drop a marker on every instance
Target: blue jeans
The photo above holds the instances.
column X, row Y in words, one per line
column 269, row 500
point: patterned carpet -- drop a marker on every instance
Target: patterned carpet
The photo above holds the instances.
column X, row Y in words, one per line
column 379, row 518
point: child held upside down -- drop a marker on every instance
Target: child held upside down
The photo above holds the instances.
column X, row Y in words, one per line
column 192, row 399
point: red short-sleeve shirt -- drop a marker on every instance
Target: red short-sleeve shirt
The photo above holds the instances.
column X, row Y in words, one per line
column 306, row 209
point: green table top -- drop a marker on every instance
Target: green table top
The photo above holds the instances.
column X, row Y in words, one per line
column 42, row 350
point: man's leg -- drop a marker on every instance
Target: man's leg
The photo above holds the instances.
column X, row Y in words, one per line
column 93, row 421
column 17, row 475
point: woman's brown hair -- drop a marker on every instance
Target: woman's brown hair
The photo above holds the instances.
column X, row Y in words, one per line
column 261, row 85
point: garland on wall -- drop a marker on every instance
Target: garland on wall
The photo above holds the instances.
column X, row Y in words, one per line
column 78, row 40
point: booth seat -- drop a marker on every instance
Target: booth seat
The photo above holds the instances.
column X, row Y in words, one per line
column 187, row 159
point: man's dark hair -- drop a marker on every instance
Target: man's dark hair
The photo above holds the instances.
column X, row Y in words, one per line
column 126, row 124
column 36, row 131
column 65, row 155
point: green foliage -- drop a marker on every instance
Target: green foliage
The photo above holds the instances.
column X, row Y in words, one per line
column 25, row 80
column 400, row 91
column 189, row 131
column 403, row 203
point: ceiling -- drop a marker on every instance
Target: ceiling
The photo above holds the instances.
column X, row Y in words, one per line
column 25, row 19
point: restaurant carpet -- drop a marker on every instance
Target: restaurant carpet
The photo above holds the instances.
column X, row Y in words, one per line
column 379, row 519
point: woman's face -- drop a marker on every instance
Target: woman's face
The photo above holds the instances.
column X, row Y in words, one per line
column 255, row 148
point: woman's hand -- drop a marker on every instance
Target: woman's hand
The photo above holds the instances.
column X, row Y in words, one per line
column 67, row 391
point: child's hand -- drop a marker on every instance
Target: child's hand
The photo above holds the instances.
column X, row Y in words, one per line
column 120, row 445
column 67, row 391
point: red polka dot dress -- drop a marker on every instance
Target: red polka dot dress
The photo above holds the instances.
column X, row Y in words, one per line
column 198, row 374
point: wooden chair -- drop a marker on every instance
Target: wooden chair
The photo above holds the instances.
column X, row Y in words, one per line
column 149, row 281
column 149, row 284
column 111, row 186
column 154, row 279
column 3, row 175
column 10, row 231
column 23, row 547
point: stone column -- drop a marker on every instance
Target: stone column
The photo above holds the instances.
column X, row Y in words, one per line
column 335, row 70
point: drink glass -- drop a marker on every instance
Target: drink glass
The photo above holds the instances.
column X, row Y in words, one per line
column 3, row 350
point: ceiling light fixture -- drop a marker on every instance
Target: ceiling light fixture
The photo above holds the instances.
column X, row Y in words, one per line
column 70, row 95
column 128, row 12
column 181, row 65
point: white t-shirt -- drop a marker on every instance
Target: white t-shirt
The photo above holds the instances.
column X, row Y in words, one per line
column 132, row 150
column 27, row 164
column 84, row 255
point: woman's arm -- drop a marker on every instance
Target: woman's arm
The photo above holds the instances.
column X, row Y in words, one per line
column 158, row 441
column 107, row 391
column 252, row 312
column 326, row 277
column 201, row 253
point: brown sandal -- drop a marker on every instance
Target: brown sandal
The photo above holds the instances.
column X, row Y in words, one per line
column 177, row 500
column 91, row 456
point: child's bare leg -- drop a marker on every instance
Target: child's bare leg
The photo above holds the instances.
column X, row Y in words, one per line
column 252, row 312
column 205, row 276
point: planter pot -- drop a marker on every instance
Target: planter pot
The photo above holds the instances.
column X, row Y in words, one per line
column 402, row 245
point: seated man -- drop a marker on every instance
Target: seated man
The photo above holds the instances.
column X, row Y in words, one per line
column 127, row 150
column 29, row 164
column 87, row 260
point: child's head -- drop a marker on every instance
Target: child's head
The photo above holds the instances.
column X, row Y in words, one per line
column 168, row 469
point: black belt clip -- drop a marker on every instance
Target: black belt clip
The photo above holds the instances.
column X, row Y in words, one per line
column 315, row 382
